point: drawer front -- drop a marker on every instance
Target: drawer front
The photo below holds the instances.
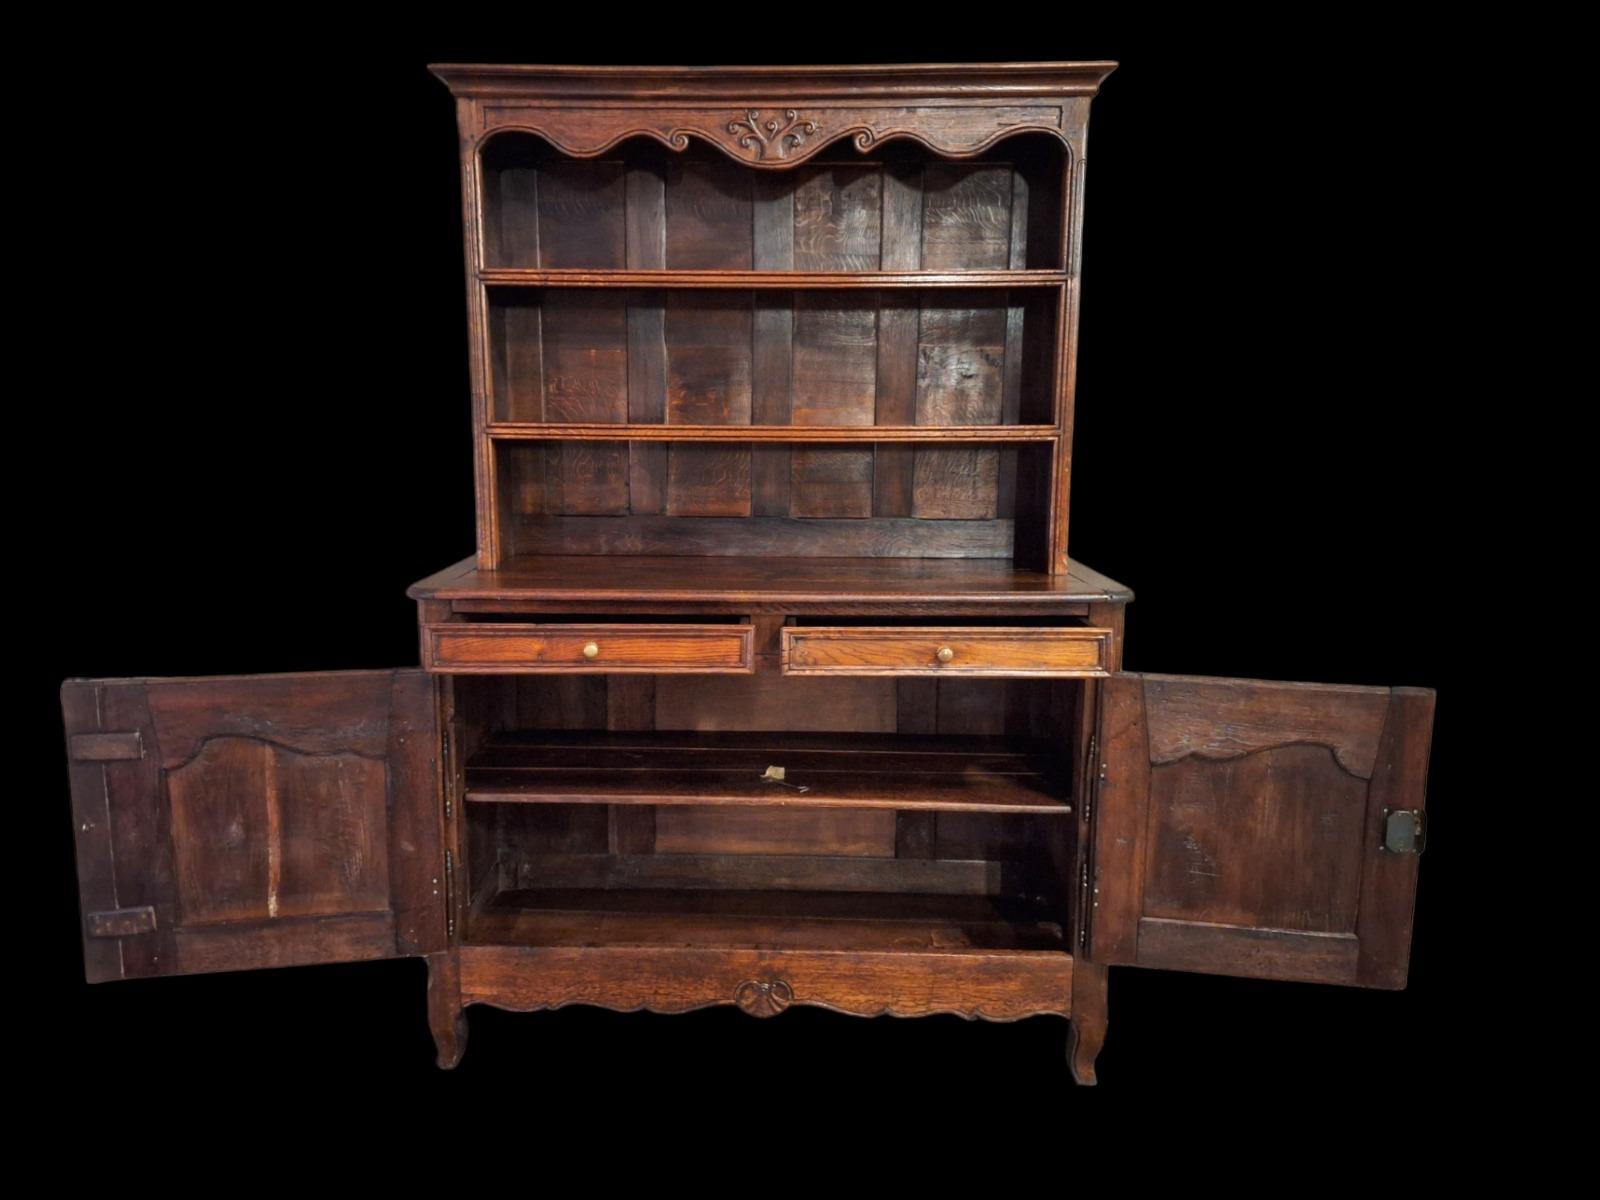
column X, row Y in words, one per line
column 1058, row 652
column 472, row 649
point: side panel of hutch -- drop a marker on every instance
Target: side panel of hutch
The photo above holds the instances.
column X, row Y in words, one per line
column 770, row 682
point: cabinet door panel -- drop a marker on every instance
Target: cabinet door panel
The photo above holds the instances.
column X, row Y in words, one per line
column 1239, row 827
column 255, row 821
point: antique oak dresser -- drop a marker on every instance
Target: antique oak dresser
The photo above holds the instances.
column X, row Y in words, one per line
column 771, row 682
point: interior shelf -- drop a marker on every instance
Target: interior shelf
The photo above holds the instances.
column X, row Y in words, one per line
column 885, row 771
column 763, row 920
column 786, row 280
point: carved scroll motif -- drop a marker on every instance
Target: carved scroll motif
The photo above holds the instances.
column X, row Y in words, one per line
column 772, row 135
column 763, row 997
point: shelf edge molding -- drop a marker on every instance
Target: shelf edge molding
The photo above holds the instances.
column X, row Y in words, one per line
column 603, row 431
column 573, row 277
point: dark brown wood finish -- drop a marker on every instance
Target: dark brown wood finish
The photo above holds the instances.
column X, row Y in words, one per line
column 770, row 682
column 757, row 583
column 771, row 250
column 1241, row 827
column 258, row 821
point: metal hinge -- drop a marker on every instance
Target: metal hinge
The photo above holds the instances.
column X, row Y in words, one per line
column 121, row 922
column 449, row 775
column 449, row 895
column 105, row 747
column 1083, row 906
column 1093, row 777
column 1405, row 830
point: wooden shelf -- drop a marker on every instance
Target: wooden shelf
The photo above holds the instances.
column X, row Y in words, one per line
column 600, row 431
column 763, row 920
column 906, row 772
column 781, row 280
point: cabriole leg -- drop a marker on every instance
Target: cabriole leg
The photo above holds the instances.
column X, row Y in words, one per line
column 1088, row 1031
column 445, row 1016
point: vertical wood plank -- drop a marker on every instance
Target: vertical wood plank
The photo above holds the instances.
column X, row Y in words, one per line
column 831, row 483
column 708, row 481
column 582, row 215
column 838, row 226
column 561, row 701
column 630, row 702
column 631, row 828
column 899, row 321
column 835, row 360
column 1011, row 397
column 901, row 240
column 91, row 819
column 838, row 217
column 772, row 343
column 710, row 224
column 416, row 821
column 917, row 706
column 1120, row 818
column 835, row 383
column 1389, row 881
column 646, row 187
column 586, row 341
column 517, row 357
column 960, row 381
column 585, row 356
column 914, row 834
column 708, row 339
column 630, row 705
column 970, row 706
column 513, row 237
column 966, row 221
column 709, row 218
column 492, row 540
column 961, row 344
column 647, row 336
column 586, row 479
column 961, row 360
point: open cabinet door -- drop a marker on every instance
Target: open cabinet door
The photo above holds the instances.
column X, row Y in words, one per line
column 255, row 821
column 1254, row 828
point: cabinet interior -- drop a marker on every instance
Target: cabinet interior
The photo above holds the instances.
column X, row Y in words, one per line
column 633, row 810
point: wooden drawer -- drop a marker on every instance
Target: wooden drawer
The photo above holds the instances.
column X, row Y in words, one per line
column 1067, row 652
column 474, row 649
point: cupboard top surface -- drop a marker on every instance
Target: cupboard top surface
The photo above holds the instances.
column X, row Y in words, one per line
column 681, row 82
column 766, row 580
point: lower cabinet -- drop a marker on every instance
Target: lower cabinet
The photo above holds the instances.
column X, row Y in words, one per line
column 890, row 831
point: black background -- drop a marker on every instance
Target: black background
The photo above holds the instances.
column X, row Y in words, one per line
column 258, row 435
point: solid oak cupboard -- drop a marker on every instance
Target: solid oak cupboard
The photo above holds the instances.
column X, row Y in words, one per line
column 771, row 682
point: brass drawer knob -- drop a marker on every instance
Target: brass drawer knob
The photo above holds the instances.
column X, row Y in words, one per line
column 944, row 654
column 591, row 650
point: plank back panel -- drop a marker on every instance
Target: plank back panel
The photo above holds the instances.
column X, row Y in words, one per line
column 732, row 357
column 545, row 210
column 582, row 215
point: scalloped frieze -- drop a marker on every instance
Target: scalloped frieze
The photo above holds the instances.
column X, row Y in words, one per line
column 778, row 135
column 673, row 979
column 609, row 999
